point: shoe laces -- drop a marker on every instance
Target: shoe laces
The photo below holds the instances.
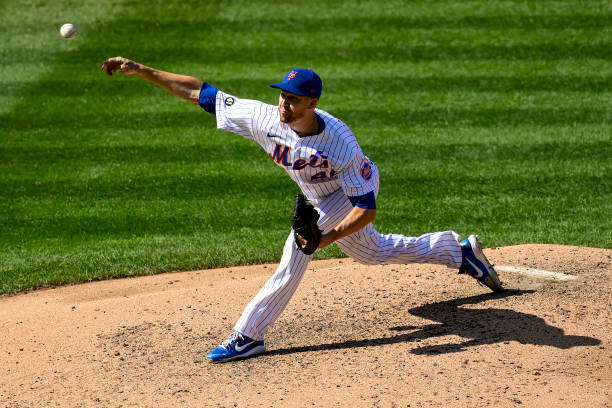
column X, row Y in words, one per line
column 231, row 340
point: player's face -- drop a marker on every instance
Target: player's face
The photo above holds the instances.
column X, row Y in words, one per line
column 293, row 107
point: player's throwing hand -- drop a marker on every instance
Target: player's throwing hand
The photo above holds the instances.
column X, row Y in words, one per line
column 119, row 64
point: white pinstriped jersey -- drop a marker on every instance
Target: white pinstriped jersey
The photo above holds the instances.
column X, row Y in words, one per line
column 320, row 164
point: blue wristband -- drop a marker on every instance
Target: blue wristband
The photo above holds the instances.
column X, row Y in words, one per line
column 208, row 97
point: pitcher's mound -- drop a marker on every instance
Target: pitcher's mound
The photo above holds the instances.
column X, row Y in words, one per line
column 352, row 336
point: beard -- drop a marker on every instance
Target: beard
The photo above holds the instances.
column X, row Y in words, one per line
column 285, row 117
column 289, row 116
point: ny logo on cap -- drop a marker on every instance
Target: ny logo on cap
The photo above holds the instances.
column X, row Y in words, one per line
column 291, row 75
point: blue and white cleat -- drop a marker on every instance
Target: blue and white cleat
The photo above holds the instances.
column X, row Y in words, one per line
column 477, row 265
column 236, row 346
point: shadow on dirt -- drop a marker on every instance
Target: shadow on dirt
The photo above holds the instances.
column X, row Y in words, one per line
column 479, row 326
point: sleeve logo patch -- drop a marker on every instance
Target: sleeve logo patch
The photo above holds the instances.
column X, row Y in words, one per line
column 229, row 101
column 366, row 169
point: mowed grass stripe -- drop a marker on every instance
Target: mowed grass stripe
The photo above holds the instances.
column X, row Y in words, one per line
column 473, row 84
column 440, row 117
column 493, row 121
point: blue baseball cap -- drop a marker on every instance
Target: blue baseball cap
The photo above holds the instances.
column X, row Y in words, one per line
column 300, row 81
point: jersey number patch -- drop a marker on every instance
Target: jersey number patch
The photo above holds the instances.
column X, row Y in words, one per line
column 323, row 175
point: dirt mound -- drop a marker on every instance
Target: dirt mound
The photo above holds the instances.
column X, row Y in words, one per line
column 353, row 336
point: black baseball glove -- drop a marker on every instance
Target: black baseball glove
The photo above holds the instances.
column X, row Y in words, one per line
column 305, row 219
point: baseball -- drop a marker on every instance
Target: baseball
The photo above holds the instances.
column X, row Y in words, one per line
column 68, row 30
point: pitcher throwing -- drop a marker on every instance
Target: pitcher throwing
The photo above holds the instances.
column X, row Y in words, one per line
column 320, row 154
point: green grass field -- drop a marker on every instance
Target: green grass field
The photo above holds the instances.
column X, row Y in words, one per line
column 485, row 117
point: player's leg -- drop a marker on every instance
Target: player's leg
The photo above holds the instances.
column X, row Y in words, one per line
column 265, row 307
column 368, row 246
column 272, row 299
column 274, row 296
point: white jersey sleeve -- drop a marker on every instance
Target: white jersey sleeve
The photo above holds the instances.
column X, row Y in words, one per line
column 236, row 115
column 359, row 177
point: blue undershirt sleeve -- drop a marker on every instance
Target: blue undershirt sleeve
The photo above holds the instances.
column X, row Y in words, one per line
column 208, row 97
column 366, row 201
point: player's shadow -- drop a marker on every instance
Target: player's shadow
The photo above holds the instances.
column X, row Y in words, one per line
column 477, row 326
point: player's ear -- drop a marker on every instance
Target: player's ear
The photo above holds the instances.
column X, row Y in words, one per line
column 313, row 103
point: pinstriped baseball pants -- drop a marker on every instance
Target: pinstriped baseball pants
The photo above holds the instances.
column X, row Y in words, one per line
column 366, row 246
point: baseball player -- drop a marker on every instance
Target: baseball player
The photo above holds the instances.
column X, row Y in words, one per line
column 321, row 154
